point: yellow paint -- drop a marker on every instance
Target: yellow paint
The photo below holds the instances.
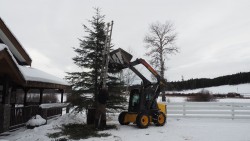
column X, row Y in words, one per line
column 144, row 120
column 162, row 107
column 160, row 119
column 130, row 117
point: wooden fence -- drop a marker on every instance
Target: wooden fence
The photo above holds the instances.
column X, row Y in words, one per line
column 209, row 110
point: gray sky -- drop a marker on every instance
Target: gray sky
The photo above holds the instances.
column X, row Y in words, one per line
column 213, row 35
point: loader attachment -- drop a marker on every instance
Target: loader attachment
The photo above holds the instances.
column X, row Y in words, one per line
column 119, row 59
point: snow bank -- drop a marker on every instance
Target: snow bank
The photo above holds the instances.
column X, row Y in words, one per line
column 36, row 120
column 243, row 89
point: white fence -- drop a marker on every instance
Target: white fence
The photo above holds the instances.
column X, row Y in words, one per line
column 209, row 110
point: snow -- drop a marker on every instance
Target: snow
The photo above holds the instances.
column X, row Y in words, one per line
column 174, row 99
column 187, row 129
column 2, row 47
column 13, row 49
column 53, row 105
column 237, row 100
column 32, row 74
column 243, row 89
column 36, row 121
column 176, row 129
column 40, row 133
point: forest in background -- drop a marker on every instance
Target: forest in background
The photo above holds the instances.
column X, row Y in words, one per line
column 238, row 78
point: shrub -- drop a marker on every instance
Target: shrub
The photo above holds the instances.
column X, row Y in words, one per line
column 233, row 95
column 79, row 131
column 202, row 96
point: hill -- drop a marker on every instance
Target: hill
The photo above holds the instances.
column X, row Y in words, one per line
column 234, row 79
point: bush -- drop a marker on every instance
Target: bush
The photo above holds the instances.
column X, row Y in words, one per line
column 234, row 95
column 202, row 96
column 79, row 131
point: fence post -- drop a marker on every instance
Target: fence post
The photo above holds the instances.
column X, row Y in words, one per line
column 184, row 109
column 232, row 111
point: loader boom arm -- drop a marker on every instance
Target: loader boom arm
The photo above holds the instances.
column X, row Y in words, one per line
column 160, row 80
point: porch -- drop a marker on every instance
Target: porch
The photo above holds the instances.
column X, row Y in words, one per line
column 19, row 103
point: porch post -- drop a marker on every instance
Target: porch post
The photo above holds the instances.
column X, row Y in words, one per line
column 5, row 107
column 6, row 97
column 62, row 91
column 25, row 96
column 41, row 96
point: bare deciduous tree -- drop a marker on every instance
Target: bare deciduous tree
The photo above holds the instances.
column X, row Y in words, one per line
column 160, row 41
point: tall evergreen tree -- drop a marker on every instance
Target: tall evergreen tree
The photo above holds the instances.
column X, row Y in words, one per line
column 89, row 58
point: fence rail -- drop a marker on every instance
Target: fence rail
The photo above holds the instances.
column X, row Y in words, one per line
column 209, row 110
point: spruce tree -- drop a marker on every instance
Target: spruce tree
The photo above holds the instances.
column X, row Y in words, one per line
column 86, row 84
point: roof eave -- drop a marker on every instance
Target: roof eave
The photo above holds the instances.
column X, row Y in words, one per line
column 16, row 43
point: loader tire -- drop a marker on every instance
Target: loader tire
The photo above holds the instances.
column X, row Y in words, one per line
column 121, row 118
column 142, row 120
column 160, row 119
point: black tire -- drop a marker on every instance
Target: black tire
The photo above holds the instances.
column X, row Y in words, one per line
column 142, row 120
column 160, row 119
column 122, row 117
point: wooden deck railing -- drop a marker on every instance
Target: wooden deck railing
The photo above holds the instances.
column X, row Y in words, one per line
column 20, row 115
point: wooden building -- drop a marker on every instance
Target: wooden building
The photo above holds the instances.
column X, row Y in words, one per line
column 19, row 79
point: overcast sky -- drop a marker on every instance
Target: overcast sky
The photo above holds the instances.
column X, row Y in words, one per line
column 213, row 35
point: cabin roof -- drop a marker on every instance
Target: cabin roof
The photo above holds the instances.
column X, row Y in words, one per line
column 8, row 38
column 27, row 76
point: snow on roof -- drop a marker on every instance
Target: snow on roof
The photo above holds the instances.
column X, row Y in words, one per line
column 53, row 105
column 2, row 46
column 7, row 40
column 32, row 74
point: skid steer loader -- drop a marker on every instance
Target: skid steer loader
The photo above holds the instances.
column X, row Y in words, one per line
column 143, row 108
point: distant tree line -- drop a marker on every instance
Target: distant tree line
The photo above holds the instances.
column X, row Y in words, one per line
column 238, row 78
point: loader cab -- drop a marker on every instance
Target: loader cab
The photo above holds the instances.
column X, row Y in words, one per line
column 134, row 101
column 140, row 99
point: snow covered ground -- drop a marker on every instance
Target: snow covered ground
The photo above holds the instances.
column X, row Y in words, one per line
column 171, row 99
column 187, row 129
column 176, row 129
column 39, row 133
column 243, row 89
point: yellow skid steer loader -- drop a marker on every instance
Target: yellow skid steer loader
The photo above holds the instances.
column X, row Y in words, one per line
column 143, row 107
